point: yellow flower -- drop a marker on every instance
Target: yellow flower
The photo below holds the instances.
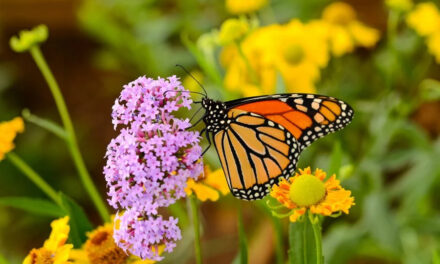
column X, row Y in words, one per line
column 344, row 31
column 54, row 250
column 297, row 56
column 433, row 43
column 233, row 30
column 244, row 6
column 424, row 19
column 400, row 5
column 8, row 132
column 208, row 188
column 100, row 248
column 307, row 191
column 299, row 53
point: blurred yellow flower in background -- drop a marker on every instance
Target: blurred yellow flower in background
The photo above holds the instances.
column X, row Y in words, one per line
column 210, row 186
column 424, row 19
column 8, row 132
column 244, row 6
column 310, row 191
column 400, row 5
column 299, row 52
column 233, row 30
column 295, row 51
column 252, row 72
column 344, row 31
column 54, row 249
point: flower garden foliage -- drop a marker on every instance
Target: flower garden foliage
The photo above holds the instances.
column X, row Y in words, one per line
column 371, row 196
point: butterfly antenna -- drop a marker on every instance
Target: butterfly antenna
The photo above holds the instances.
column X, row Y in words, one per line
column 187, row 72
column 182, row 92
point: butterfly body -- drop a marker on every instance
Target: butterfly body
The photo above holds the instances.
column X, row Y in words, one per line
column 259, row 139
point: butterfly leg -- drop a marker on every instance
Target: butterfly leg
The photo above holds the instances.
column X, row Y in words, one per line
column 209, row 140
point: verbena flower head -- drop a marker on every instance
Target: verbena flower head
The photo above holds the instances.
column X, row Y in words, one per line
column 208, row 186
column 149, row 163
column 310, row 191
column 8, row 132
column 153, row 156
column 146, row 236
column 55, row 249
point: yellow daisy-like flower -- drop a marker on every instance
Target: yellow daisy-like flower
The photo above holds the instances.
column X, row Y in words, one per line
column 433, row 43
column 424, row 19
column 344, row 31
column 54, row 250
column 259, row 77
column 209, row 187
column 100, row 248
column 297, row 56
column 233, row 30
column 244, row 6
column 8, row 132
column 310, row 191
column 299, row 53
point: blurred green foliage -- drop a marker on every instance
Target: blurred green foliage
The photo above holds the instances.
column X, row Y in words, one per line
column 384, row 157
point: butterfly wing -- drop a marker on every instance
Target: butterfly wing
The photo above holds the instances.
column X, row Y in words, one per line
column 307, row 116
column 254, row 153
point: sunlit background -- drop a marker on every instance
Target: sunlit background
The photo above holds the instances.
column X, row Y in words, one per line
column 390, row 153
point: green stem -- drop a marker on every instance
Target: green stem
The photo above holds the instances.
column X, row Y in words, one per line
column 279, row 245
column 252, row 73
column 196, row 226
column 318, row 239
column 242, row 237
column 34, row 177
column 71, row 138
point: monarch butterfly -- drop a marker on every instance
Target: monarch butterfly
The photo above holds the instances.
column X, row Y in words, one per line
column 259, row 139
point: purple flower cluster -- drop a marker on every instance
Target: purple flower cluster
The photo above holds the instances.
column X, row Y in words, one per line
column 149, row 163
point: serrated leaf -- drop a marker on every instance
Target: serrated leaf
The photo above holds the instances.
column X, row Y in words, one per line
column 79, row 223
column 33, row 205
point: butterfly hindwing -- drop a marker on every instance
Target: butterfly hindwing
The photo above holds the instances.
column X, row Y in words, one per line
column 254, row 153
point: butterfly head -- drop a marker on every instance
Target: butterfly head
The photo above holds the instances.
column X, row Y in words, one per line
column 216, row 117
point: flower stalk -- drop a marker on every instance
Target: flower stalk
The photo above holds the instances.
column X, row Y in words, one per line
column 71, row 137
column 196, row 226
column 316, row 226
column 33, row 176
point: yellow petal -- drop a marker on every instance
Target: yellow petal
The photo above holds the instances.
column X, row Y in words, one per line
column 364, row 36
column 425, row 19
column 217, row 180
column 59, row 234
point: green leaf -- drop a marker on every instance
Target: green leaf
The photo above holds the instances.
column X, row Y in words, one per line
column 335, row 159
column 79, row 223
column 33, row 205
column 302, row 243
column 435, row 257
column 430, row 90
column 3, row 260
